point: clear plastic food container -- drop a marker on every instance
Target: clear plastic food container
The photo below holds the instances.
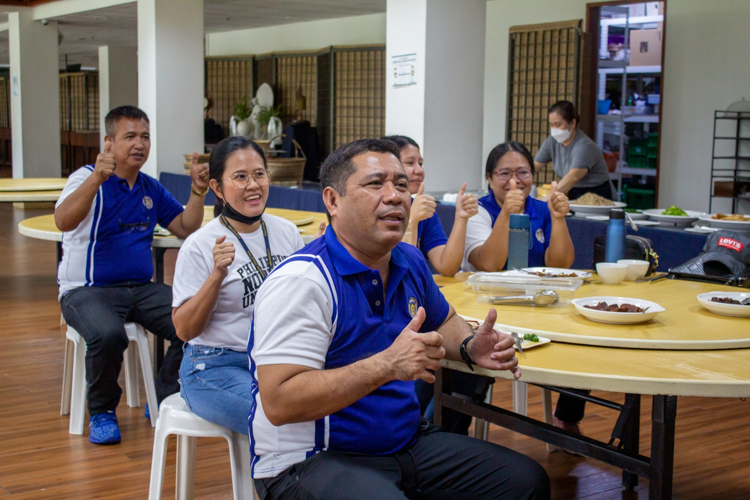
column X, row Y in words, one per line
column 499, row 289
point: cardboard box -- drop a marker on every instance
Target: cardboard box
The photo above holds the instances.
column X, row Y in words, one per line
column 645, row 47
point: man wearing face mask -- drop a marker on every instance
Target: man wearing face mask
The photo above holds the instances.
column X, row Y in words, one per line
column 577, row 160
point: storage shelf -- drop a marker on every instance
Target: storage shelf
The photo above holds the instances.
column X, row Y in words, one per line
column 731, row 157
column 620, row 21
column 630, row 69
column 629, row 118
column 651, row 172
column 733, row 138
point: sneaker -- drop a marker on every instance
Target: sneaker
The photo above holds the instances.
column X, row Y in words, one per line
column 147, row 413
column 103, row 428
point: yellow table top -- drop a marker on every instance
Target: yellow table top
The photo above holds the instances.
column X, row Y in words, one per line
column 29, row 196
column 684, row 325
column 39, row 184
column 43, row 227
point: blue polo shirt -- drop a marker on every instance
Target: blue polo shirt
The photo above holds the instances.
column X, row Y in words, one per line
column 430, row 234
column 112, row 245
column 323, row 309
column 541, row 224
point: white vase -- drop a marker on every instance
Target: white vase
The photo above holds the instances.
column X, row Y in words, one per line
column 244, row 128
column 233, row 125
column 274, row 131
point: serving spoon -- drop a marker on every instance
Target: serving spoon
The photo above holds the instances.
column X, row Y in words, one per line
column 543, row 298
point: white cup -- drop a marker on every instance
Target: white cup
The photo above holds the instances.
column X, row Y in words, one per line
column 611, row 273
column 636, row 268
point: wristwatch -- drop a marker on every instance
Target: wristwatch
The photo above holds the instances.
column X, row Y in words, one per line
column 465, row 354
column 204, row 193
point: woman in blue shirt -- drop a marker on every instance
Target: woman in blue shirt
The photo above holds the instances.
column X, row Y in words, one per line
column 443, row 253
column 510, row 172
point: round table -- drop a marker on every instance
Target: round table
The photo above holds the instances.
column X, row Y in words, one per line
column 684, row 325
column 31, row 190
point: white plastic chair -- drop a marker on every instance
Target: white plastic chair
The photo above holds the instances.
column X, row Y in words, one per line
column 74, row 376
column 176, row 418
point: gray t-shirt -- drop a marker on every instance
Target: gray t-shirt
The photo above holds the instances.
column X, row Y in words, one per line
column 582, row 152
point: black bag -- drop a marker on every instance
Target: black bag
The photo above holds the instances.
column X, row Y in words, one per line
column 636, row 248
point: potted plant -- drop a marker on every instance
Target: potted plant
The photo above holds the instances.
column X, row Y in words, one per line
column 268, row 119
column 239, row 123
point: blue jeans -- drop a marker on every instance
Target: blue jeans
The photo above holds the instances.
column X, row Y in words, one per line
column 217, row 385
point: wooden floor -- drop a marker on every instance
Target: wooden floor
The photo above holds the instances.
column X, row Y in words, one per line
column 39, row 459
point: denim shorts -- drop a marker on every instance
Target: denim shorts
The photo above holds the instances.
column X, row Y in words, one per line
column 216, row 383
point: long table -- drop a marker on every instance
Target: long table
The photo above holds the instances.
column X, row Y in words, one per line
column 663, row 374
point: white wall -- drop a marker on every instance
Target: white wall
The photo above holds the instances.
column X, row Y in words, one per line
column 118, row 81
column 406, row 34
column 313, row 35
column 706, row 68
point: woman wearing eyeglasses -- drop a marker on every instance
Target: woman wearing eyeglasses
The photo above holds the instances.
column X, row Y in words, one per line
column 509, row 172
column 219, row 269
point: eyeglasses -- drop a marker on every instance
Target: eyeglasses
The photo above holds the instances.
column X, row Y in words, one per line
column 505, row 175
column 135, row 226
column 241, row 179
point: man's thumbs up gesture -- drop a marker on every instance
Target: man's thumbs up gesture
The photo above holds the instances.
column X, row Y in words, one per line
column 105, row 163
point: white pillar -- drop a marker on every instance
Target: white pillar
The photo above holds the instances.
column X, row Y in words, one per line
column 118, row 81
column 34, row 96
column 443, row 111
column 170, row 79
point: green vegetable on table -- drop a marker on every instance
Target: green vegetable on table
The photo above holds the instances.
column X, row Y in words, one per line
column 531, row 337
column 674, row 211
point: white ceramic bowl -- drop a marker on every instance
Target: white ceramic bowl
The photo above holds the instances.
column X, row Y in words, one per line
column 611, row 273
column 680, row 220
column 596, row 209
column 737, row 310
column 636, row 268
column 617, row 318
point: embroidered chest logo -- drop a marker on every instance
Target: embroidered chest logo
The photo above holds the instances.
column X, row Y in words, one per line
column 413, row 307
column 148, row 202
column 731, row 244
column 540, row 236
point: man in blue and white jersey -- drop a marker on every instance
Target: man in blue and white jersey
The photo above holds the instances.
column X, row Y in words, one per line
column 107, row 213
column 341, row 330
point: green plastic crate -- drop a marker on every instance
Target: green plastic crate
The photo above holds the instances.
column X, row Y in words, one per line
column 642, row 199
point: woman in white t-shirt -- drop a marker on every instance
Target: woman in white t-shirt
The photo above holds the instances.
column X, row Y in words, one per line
column 218, row 271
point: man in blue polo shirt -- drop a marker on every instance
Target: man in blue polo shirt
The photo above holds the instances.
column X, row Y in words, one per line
column 107, row 213
column 340, row 332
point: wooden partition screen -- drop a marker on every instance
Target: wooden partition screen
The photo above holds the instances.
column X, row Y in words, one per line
column 79, row 102
column 544, row 66
column 228, row 80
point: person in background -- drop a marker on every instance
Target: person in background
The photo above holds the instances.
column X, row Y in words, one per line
column 443, row 253
column 509, row 172
column 107, row 213
column 340, row 332
column 576, row 159
column 218, row 272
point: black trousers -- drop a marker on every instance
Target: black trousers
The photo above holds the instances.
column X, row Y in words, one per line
column 99, row 315
column 604, row 189
column 571, row 409
column 440, row 465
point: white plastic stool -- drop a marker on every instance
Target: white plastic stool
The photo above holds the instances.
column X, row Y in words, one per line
column 74, row 376
column 520, row 403
column 176, row 418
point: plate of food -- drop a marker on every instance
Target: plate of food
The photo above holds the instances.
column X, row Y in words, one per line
column 673, row 215
column 617, row 310
column 555, row 272
column 726, row 303
column 593, row 204
column 737, row 222
column 528, row 340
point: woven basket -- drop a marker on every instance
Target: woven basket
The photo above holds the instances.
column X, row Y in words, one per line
column 287, row 171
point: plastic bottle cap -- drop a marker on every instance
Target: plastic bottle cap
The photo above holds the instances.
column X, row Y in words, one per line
column 520, row 221
column 616, row 213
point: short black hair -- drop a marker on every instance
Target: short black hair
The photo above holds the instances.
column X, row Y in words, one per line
column 129, row 112
column 217, row 161
column 501, row 150
column 567, row 110
column 337, row 168
column 401, row 141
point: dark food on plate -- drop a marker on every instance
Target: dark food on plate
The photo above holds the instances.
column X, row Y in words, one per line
column 530, row 337
column 727, row 300
column 622, row 308
column 544, row 274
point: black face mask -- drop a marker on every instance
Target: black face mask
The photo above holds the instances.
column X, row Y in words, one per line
column 233, row 214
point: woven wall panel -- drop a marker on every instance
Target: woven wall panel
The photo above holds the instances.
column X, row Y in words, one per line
column 359, row 95
column 79, row 102
column 293, row 74
column 544, row 67
column 228, row 81
column 4, row 102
